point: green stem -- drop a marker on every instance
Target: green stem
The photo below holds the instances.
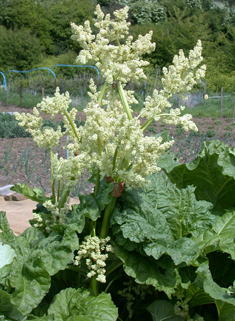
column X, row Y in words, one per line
column 102, row 92
column 58, row 191
column 147, row 124
column 94, row 285
column 52, row 179
column 72, row 124
column 107, row 213
column 115, row 157
column 97, row 184
column 119, row 45
column 123, row 100
column 63, row 198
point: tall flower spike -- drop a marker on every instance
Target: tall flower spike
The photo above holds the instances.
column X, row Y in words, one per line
column 115, row 57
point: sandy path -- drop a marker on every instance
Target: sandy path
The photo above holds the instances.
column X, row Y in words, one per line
column 20, row 212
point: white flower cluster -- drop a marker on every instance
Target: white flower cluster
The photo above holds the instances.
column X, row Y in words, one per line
column 37, row 217
column 57, row 216
column 48, row 137
column 68, row 171
column 92, row 249
column 121, row 61
column 178, row 78
column 58, row 104
column 111, row 139
column 183, row 75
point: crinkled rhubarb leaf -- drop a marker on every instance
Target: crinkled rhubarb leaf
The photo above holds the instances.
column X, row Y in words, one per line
column 146, row 270
column 220, row 237
column 34, row 194
column 7, row 310
column 212, row 173
column 162, row 310
column 88, row 207
column 213, row 289
column 37, row 259
column 7, row 235
column 6, row 254
column 161, row 220
column 72, row 305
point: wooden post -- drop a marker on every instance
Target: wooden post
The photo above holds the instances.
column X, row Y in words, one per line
column 42, row 93
column 233, row 109
column 81, row 97
column 7, row 94
column 21, row 93
column 221, row 105
column 204, row 89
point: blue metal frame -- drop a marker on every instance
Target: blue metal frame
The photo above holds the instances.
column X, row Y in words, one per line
column 79, row 66
column 4, row 80
column 32, row 70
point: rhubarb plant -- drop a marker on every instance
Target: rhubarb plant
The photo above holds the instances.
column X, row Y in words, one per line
column 139, row 246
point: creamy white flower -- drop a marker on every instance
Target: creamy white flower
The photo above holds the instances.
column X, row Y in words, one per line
column 92, row 249
column 120, row 61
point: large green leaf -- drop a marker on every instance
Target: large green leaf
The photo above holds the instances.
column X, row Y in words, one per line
column 37, row 259
column 34, row 194
column 162, row 310
column 32, row 282
column 162, row 219
column 212, row 172
column 226, row 311
column 88, row 207
column 72, row 305
column 213, row 289
column 220, row 237
column 8, row 309
column 6, row 254
column 58, row 249
column 7, row 235
column 75, row 219
column 146, row 270
column 197, row 296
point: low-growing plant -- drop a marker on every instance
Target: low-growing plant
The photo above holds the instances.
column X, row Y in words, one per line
column 227, row 134
column 139, row 246
column 210, row 133
column 228, row 128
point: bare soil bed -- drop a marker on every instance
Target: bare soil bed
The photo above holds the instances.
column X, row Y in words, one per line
column 21, row 161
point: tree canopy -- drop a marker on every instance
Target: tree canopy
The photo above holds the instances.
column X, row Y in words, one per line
column 31, row 31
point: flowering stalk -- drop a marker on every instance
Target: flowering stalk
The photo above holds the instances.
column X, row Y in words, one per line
column 147, row 124
column 107, row 213
column 94, row 285
column 52, row 179
column 102, row 92
column 123, row 100
column 72, row 124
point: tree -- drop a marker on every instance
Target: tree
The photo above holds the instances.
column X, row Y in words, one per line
column 19, row 49
column 27, row 15
column 61, row 14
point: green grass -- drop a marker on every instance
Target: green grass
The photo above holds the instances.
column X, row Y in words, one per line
column 212, row 106
column 29, row 101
